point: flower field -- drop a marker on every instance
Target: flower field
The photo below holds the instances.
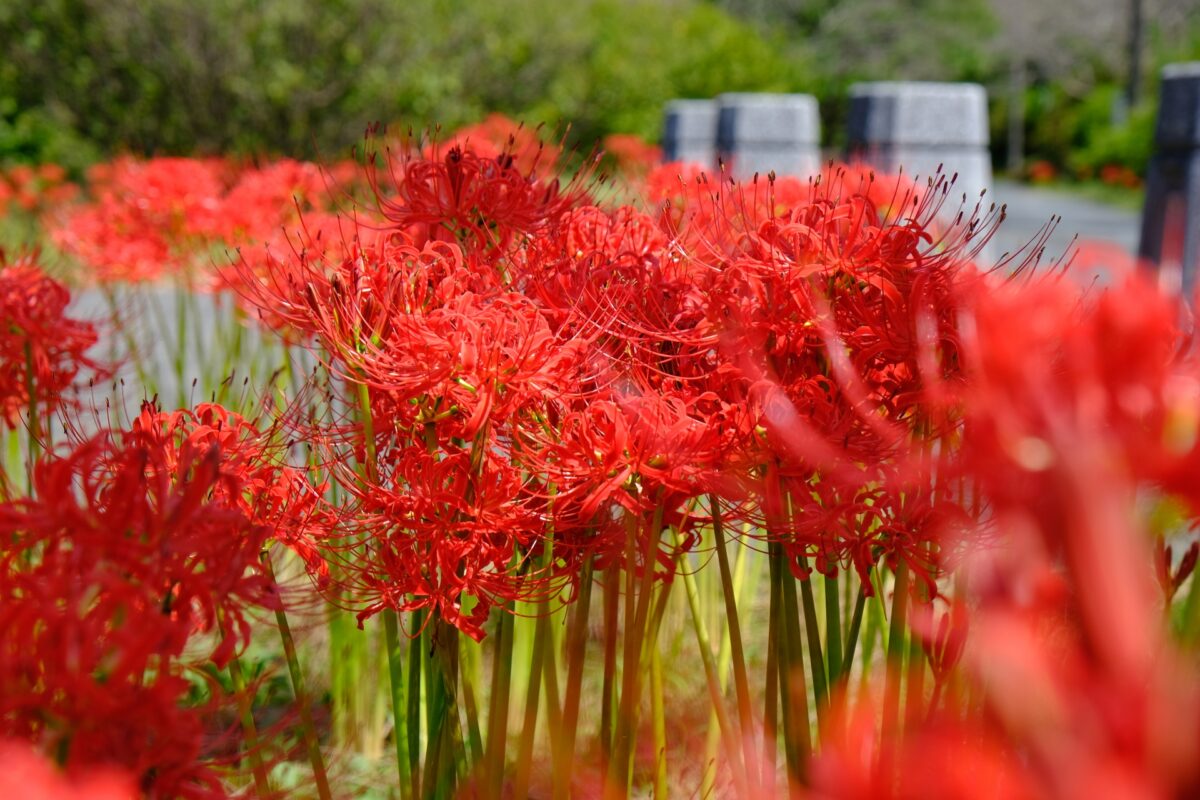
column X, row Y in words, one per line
column 472, row 467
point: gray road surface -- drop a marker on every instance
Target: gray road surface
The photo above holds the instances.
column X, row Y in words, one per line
column 1104, row 231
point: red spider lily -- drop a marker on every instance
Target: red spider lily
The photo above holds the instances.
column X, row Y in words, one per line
column 167, row 215
column 483, row 358
column 107, row 576
column 276, row 280
column 26, row 773
column 834, row 321
column 353, row 281
column 457, row 194
column 424, row 325
column 148, row 217
column 943, row 637
column 942, row 760
column 36, row 190
column 606, row 274
column 42, row 350
column 76, row 684
column 441, row 532
column 497, row 136
column 634, row 156
column 1123, row 350
column 1089, row 403
column 1170, row 575
column 1067, row 419
column 270, row 494
column 134, row 502
column 620, row 465
column 134, row 544
column 263, row 200
column 637, row 452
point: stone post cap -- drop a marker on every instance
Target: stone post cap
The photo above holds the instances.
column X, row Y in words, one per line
column 690, row 120
column 1178, row 125
column 782, row 119
column 918, row 114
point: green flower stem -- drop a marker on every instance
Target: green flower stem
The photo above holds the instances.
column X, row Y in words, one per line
column 444, row 744
column 797, row 742
column 416, row 658
column 498, row 713
column 246, row 709
column 469, row 653
column 542, row 643
column 728, row 733
column 620, row 767
column 771, row 701
column 816, row 659
column 659, row 723
column 368, row 423
column 833, row 629
column 712, row 740
column 895, row 653
column 1190, row 632
column 307, row 727
column 612, row 591
column 35, row 420
column 741, row 682
column 576, row 647
column 395, row 658
column 553, row 704
column 852, row 635
column 914, row 697
column 541, row 633
column 181, row 338
column 135, row 355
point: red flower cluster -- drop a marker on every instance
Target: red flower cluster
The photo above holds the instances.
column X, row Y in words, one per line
column 828, row 316
column 136, row 558
column 167, row 216
column 42, row 350
column 24, row 772
column 498, row 137
column 633, row 155
column 1076, row 424
column 534, row 362
column 36, row 189
column 475, row 191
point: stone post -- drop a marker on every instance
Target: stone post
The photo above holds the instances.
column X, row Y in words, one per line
column 690, row 132
column 918, row 126
column 1171, row 214
column 761, row 133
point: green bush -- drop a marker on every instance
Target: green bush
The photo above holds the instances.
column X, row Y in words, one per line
column 645, row 53
column 1127, row 144
column 307, row 76
column 34, row 136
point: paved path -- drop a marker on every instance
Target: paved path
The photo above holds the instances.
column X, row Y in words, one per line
column 1105, row 231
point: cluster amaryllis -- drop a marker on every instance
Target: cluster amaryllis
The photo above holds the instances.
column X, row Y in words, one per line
column 499, row 137
column 482, row 196
column 827, row 313
column 1075, row 423
column 135, row 560
column 449, row 363
column 25, row 772
column 42, row 349
column 171, row 217
column 522, row 394
column 36, row 190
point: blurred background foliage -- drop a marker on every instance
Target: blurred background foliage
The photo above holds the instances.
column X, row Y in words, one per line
column 82, row 79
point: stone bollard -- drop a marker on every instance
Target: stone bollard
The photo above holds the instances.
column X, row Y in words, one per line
column 918, row 126
column 690, row 132
column 761, row 133
column 1171, row 214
